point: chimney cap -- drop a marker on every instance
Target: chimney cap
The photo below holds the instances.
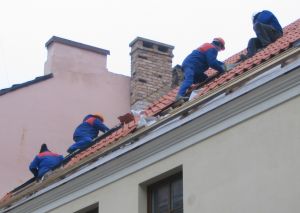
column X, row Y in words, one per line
column 76, row 44
column 151, row 41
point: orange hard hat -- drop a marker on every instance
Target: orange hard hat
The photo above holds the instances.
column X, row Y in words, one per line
column 100, row 116
column 220, row 41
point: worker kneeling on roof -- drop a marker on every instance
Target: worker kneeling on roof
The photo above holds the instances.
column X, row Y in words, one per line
column 44, row 162
column 267, row 29
column 87, row 131
column 197, row 62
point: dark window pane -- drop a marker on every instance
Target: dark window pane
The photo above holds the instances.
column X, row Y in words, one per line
column 176, row 194
column 161, row 199
column 93, row 211
column 166, row 196
column 90, row 209
column 178, row 210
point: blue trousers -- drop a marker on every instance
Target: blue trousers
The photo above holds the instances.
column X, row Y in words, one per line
column 81, row 142
column 266, row 35
column 190, row 77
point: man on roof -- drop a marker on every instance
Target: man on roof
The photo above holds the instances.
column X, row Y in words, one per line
column 267, row 30
column 44, row 162
column 87, row 131
column 197, row 62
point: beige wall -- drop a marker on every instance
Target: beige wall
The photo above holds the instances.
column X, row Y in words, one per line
column 65, row 58
column 49, row 111
column 251, row 167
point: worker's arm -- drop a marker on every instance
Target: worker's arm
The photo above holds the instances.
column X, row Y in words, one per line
column 101, row 126
column 211, row 57
column 33, row 167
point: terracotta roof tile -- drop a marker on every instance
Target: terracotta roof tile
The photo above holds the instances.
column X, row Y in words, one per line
column 222, row 80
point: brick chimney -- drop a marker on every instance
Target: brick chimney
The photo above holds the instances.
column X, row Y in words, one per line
column 151, row 71
column 69, row 56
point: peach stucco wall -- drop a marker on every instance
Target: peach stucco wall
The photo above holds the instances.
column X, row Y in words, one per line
column 49, row 111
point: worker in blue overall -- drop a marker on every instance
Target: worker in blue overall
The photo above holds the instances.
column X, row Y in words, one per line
column 197, row 62
column 87, row 131
column 267, row 29
column 44, row 162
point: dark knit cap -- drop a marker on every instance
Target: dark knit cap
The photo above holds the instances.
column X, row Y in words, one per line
column 44, row 148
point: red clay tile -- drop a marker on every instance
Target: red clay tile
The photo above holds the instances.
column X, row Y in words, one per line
column 155, row 109
column 125, row 130
column 119, row 132
column 155, row 102
column 221, row 80
column 132, row 124
column 212, row 85
column 167, row 102
column 148, row 112
column 100, row 145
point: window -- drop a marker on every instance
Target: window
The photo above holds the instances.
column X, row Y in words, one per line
column 166, row 196
column 90, row 209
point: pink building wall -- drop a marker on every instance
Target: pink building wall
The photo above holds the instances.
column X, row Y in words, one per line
column 49, row 111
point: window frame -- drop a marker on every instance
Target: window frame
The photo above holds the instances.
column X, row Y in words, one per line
column 90, row 208
column 169, row 180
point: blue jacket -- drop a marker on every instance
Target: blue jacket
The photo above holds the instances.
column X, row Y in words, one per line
column 44, row 162
column 90, row 127
column 203, row 58
column 267, row 17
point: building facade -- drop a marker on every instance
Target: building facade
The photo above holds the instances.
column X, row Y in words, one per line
column 48, row 109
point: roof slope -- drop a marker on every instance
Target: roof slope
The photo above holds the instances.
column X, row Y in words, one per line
column 291, row 34
column 25, row 84
column 129, row 129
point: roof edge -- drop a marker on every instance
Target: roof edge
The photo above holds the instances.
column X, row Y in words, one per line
column 25, row 84
column 76, row 44
column 151, row 41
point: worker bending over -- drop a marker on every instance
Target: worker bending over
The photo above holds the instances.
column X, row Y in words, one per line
column 196, row 63
column 44, row 162
column 87, row 131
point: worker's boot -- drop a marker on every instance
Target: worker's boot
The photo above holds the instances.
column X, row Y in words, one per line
column 243, row 57
column 181, row 98
column 70, row 151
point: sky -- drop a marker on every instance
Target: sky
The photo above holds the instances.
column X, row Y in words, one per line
column 112, row 24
